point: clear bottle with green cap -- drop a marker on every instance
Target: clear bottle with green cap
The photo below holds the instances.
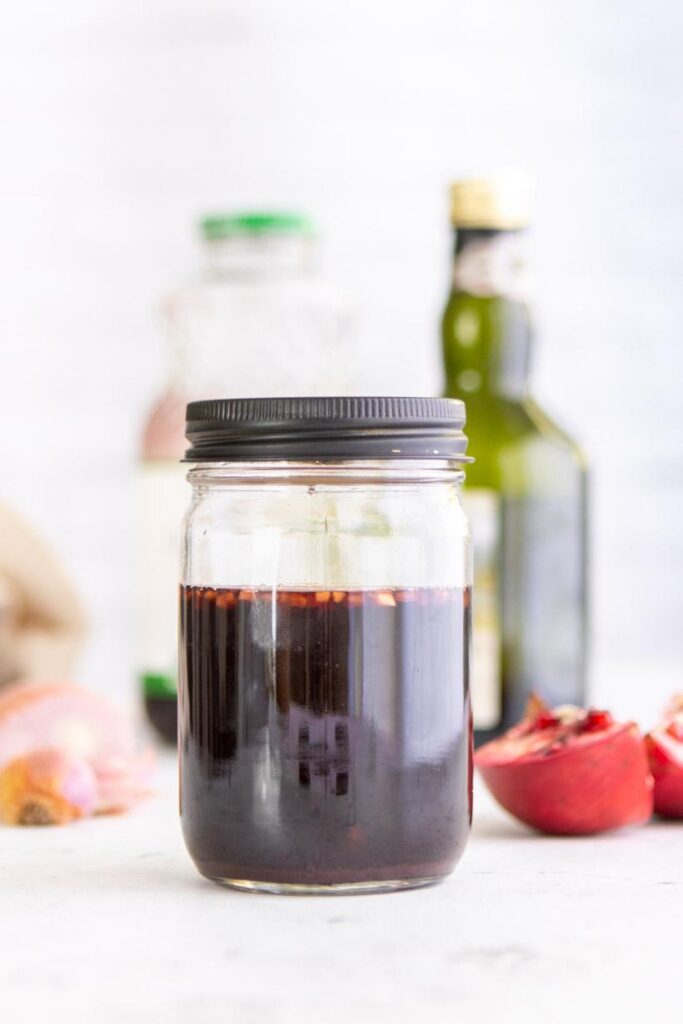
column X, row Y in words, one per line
column 526, row 491
column 258, row 320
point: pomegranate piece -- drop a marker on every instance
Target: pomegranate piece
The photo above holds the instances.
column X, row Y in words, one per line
column 665, row 751
column 569, row 771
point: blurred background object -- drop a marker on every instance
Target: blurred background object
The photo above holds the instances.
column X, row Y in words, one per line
column 42, row 623
column 67, row 752
column 256, row 321
column 526, row 494
column 122, row 123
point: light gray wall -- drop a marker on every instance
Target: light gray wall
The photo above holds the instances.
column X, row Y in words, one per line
column 121, row 122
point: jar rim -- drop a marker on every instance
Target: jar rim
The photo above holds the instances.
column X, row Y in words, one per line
column 331, row 474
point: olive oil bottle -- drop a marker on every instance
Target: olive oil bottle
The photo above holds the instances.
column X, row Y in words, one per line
column 526, row 490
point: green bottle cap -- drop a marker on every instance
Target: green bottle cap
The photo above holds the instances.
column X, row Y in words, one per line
column 260, row 222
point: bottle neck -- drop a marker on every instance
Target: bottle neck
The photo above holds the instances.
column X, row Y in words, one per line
column 491, row 263
column 487, row 329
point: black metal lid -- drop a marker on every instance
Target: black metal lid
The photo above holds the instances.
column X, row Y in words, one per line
column 242, row 429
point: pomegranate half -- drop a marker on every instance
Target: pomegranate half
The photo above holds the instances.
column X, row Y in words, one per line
column 569, row 771
column 665, row 751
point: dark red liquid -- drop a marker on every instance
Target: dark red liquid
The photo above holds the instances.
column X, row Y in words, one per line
column 324, row 736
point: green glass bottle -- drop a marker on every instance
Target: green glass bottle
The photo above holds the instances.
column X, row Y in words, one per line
column 526, row 490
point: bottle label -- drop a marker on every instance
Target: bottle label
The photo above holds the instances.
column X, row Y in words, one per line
column 162, row 497
column 483, row 508
column 494, row 265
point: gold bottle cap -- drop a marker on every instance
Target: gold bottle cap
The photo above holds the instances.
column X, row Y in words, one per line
column 502, row 203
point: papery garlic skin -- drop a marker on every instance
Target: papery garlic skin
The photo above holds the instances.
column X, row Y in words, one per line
column 47, row 787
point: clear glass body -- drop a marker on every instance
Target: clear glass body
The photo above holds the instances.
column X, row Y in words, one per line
column 257, row 320
column 324, row 722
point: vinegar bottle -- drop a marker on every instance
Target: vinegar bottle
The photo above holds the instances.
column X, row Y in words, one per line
column 526, row 491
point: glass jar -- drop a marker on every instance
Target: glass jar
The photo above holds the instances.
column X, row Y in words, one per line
column 325, row 736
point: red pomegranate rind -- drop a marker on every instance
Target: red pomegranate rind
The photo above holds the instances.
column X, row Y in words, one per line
column 665, row 752
column 573, row 779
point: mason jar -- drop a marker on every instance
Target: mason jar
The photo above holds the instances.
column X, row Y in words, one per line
column 324, row 715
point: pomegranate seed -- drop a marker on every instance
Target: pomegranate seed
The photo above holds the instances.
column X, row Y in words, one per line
column 596, row 721
column 546, row 720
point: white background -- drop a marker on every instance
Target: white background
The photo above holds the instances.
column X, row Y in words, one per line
column 121, row 122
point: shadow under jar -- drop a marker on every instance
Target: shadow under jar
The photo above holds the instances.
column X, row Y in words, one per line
column 324, row 716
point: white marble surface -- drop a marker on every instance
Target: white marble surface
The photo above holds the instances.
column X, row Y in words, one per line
column 107, row 922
